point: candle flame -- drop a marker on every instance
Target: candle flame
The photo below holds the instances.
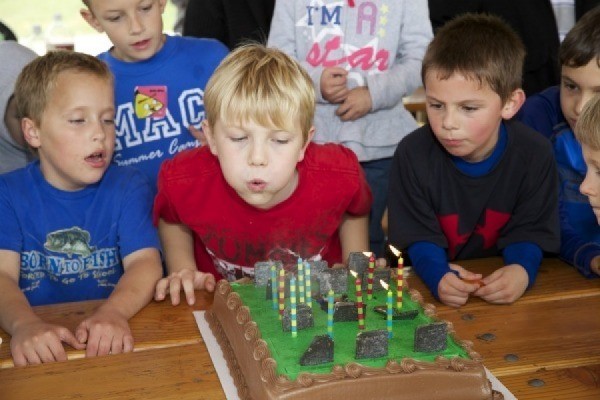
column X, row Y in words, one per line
column 383, row 284
column 354, row 274
column 367, row 253
column 395, row 251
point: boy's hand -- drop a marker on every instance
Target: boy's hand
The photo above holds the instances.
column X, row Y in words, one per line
column 333, row 84
column 188, row 281
column 105, row 332
column 357, row 104
column 505, row 285
column 39, row 342
column 453, row 290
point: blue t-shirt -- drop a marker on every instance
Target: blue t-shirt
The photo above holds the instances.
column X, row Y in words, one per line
column 72, row 243
column 157, row 99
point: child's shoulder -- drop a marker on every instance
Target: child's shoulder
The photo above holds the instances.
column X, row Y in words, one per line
column 189, row 163
column 330, row 156
column 198, row 47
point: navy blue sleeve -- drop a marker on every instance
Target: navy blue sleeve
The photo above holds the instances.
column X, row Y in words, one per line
column 527, row 254
column 430, row 263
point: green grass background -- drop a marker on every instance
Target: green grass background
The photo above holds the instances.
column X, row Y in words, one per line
column 21, row 15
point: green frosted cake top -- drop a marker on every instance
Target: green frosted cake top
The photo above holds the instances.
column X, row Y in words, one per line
column 287, row 350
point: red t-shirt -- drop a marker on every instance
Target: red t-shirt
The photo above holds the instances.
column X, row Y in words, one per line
column 230, row 235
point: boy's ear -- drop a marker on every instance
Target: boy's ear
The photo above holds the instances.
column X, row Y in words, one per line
column 513, row 104
column 91, row 19
column 208, row 135
column 31, row 132
column 309, row 137
column 162, row 4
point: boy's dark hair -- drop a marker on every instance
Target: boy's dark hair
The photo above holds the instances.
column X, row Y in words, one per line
column 37, row 80
column 582, row 43
column 481, row 47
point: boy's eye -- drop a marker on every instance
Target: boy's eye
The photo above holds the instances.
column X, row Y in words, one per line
column 569, row 86
column 109, row 121
column 238, row 138
column 470, row 108
column 435, row 106
column 76, row 121
column 114, row 18
column 281, row 141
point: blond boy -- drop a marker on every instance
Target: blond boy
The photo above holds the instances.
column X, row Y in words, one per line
column 260, row 190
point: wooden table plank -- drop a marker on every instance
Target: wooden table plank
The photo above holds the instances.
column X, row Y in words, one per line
column 176, row 373
column 159, row 324
column 581, row 383
column 552, row 335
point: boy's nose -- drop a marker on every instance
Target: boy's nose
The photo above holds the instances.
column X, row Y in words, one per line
column 448, row 121
column 585, row 187
column 136, row 25
column 258, row 155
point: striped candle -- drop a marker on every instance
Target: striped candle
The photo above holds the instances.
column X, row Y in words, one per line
column 399, row 282
column 330, row 301
column 293, row 307
column 359, row 304
column 300, row 280
column 281, row 292
column 274, row 286
column 307, row 284
column 370, row 272
column 389, row 314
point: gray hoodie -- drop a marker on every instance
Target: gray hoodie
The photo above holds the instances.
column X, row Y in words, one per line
column 380, row 42
column 14, row 57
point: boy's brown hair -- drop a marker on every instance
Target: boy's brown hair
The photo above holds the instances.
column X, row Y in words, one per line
column 582, row 43
column 480, row 47
column 260, row 84
column 37, row 80
column 587, row 130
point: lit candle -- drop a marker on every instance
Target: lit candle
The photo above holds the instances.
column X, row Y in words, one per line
column 293, row 307
column 389, row 310
column 281, row 292
column 370, row 272
column 274, row 286
column 300, row 280
column 359, row 301
column 399, row 276
column 307, row 284
column 330, row 301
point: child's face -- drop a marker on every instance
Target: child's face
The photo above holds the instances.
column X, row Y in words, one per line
column 76, row 135
column 259, row 163
column 577, row 86
column 464, row 115
column 590, row 186
column 133, row 26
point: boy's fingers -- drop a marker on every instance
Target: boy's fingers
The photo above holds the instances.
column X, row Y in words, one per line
column 67, row 337
column 174, row 289
column 188, row 290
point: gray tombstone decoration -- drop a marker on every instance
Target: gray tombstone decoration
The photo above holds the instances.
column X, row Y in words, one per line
column 333, row 278
column 358, row 262
column 320, row 351
column 372, row 344
column 262, row 272
column 431, row 337
column 304, row 318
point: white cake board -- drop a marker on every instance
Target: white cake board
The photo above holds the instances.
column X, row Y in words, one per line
column 227, row 381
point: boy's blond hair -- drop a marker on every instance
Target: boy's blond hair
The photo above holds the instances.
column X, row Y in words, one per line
column 587, row 129
column 37, row 80
column 480, row 47
column 263, row 85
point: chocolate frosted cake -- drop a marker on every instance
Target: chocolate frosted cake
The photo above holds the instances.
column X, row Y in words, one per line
column 264, row 359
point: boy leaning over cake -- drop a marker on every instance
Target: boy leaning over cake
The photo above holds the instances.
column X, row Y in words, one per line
column 260, row 190
column 74, row 227
column 587, row 132
column 472, row 183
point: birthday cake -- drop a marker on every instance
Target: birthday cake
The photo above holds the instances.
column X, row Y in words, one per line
column 343, row 360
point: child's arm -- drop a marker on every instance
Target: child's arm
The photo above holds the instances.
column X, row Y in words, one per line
column 178, row 246
column 107, row 330
column 354, row 234
column 32, row 340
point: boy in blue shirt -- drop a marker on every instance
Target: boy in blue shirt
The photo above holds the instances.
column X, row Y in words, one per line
column 74, row 226
column 468, row 185
column 554, row 113
column 159, row 81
